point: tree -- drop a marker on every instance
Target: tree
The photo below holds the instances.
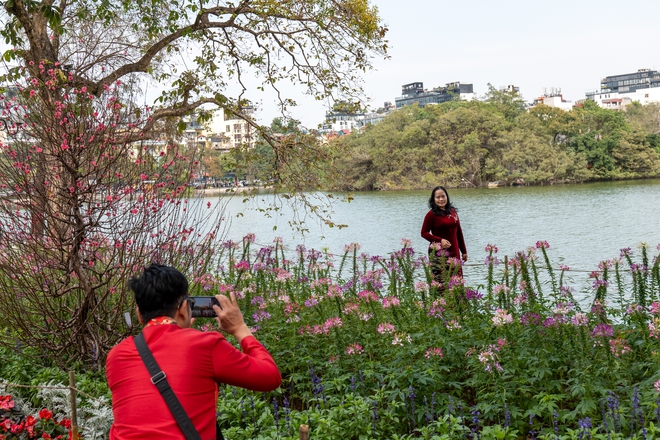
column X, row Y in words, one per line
column 87, row 170
column 508, row 102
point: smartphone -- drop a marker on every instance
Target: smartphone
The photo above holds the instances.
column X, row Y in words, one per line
column 203, row 307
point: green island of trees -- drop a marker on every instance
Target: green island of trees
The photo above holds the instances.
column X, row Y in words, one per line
column 472, row 143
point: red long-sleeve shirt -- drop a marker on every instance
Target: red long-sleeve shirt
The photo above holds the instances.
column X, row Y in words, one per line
column 437, row 227
column 194, row 363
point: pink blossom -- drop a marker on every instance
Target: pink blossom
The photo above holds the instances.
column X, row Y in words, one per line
column 385, row 328
column 368, row 295
column 655, row 308
column 580, row 320
column 400, row 337
column 634, row 309
column 334, row 291
column 502, row 316
column 656, row 385
column 352, row 247
column 542, row 245
column 354, row 349
column 563, row 308
column 390, row 301
column 242, row 265
column 491, row 248
column 453, row 325
column 333, row 322
column 500, row 289
column 654, row 327
column 437, row 308
column 619, row 347
column 282, row 275
column 351, row 307
column 433, row 352
column 490, row 360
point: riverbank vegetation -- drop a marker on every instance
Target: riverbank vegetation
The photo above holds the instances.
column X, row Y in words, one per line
column 471, row 143
column 368, row 347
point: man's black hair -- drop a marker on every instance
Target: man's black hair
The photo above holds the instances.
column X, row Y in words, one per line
column 159, row 291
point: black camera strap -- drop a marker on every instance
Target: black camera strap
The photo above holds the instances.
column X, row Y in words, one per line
column 159, row 378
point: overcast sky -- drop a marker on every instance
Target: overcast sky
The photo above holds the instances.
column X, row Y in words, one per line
column 567, row 44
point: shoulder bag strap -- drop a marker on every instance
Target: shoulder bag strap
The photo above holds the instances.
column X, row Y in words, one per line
column 159, row 378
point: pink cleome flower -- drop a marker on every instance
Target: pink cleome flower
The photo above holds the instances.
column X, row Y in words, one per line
column 433, row 352
column 354, row 348
column 385, row 328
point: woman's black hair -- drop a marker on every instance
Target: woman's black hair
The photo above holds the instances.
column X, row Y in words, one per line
column 159, row 291
column 435, row 208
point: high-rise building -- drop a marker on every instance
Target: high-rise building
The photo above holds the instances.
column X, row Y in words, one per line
column 414, row 93
column 617, row 91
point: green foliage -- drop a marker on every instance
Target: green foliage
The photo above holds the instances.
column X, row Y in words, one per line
column 369, row 349
column 472, row 143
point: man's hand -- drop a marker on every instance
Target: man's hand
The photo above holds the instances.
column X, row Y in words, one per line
column 230, row 318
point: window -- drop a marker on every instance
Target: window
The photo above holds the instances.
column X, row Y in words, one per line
column 228, row 129
column 237, row 128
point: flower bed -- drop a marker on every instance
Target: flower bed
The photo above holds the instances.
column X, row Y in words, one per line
column 14, row 424
column 370, row 349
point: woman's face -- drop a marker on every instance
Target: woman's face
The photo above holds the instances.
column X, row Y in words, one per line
column 440, row 198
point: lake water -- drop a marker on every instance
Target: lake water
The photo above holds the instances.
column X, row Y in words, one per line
column 584, row 223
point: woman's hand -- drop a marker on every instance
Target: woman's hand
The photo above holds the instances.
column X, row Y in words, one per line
column 446, row 244
column 464, row 257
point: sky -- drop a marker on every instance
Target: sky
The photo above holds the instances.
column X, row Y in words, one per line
column 534, row 45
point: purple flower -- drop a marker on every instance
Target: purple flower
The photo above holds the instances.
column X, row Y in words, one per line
column 472, row 294
column 530, row 318
column 598, row 283
column 260, row 315
column 491, row 261
column 584, row 427
column 603, row 330
column 550, row 322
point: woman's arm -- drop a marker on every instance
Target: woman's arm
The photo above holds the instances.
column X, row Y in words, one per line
column 427, row 226
column 461, row 241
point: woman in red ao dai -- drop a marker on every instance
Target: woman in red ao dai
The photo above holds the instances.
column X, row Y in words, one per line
column 442, row 229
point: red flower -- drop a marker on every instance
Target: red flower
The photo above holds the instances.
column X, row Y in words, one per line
column 30, row 421
column 6, row 424
column 66, row 423
column 17, row 428
column 45, row 414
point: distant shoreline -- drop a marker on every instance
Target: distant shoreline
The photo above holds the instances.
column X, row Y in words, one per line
column 232, row 190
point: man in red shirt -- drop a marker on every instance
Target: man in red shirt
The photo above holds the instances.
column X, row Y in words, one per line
column 194, row 361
